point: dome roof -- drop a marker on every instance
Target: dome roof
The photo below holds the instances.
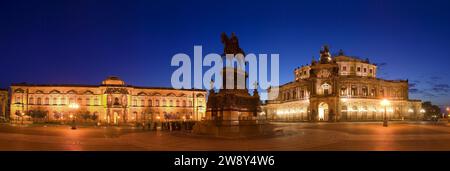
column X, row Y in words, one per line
column 113, row 80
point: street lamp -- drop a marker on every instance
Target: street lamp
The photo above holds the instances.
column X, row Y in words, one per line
column 158, row 123
column 385, row 103
column 73, row 106
column 23, row 114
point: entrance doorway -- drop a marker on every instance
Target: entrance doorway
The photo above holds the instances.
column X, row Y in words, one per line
column 323, row 112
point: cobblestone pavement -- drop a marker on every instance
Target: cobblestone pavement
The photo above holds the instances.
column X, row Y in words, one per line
column 297, row 136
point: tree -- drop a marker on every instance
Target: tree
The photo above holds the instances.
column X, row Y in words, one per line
column 37, row 114
column 85, row 115
column 57, row 115
column 431, row 110
column 94, row 117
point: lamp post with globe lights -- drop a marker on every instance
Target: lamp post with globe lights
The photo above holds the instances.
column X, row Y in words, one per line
column 385, row 103
column 159, row 121
column 74, row 107
column 23, row 115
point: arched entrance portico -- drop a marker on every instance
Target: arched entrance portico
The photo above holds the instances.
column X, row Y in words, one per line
column 323, row 112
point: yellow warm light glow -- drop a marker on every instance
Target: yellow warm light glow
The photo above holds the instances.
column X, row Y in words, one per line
column 410, row 110
column 74, row 106
column 385, row 102
column 422, row 110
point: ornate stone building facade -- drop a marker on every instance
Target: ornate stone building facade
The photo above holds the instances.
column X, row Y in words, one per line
column 113, row 102
column 340, row 88
column 3, row 104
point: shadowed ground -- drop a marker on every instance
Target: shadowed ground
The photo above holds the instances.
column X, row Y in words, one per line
column 297, row 136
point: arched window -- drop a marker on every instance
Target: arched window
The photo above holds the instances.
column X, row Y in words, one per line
column 134, row 102
column 88, row 101
column 18, row 99
column 142, row 102
column 39, row 101
column 184, row 103
column 96, row 101
column 55, row 101
column 63, row 100
column 79, row 101
column 326, row 89
column 190, row 103
column 150, row 103
column 116, row 101
column 71, row 101
column 344, row 112
column 31, row 100
column 171, row 103
column 354, row 91
column 135, row 116
column 343, row 91
column 157, row 103
column 364, row 113
column 47, row 101
column 354, row 114
column 365, row 91
column 164, row 102
column 178, row 103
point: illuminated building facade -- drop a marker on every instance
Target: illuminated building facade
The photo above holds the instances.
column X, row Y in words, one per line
column 341, row 88
column 3, row 104
column 112, row 102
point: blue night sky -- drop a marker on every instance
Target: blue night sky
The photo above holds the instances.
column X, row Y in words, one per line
column 84, row 41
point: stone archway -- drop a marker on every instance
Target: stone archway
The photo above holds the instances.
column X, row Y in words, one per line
column 323, row 111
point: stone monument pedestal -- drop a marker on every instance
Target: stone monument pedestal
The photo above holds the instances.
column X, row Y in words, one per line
column 232, row 111
column 242, row 130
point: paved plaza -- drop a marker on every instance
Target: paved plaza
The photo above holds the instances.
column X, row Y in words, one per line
column 295, row 136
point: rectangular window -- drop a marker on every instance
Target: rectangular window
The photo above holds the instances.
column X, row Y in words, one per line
column 344, row 68
column 358, row 69
column 365, row 69
column 370, row 70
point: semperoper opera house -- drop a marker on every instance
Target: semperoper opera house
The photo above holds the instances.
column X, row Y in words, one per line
column 341, row 88
column 113, row 102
